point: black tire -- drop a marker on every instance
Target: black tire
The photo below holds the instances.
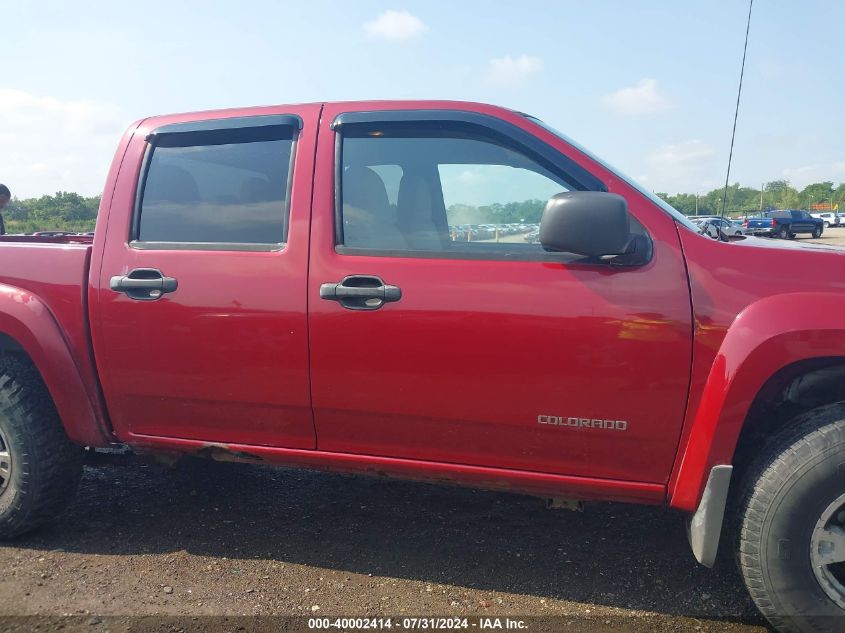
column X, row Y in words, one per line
column 817, row 233
column 785, row 491
column 783, row 233
column 827, row 224
column 45, row 465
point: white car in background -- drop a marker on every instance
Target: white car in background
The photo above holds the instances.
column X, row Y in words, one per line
column 829, row 218
column 712, row 225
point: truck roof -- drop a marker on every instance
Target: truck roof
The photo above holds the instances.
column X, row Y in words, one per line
column 384, row 104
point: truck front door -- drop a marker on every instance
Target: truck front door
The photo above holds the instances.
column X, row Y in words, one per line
column 199, row 304
column 802, row 222
column 442, row 331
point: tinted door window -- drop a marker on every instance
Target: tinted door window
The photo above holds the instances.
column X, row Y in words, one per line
column 222, row 187
column 427, row 189
column 495, row 203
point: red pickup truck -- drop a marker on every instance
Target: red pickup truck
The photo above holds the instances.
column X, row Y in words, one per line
column 284, row 285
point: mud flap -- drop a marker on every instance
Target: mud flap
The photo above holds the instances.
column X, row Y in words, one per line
column 705, row 526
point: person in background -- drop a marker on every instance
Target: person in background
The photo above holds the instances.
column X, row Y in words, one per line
column 5, row 197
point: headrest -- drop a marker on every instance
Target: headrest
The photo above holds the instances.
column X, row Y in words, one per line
column 364, row 188
column 170, row 183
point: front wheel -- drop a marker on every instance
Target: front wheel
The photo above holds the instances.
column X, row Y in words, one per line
column 792, row 525
column 39, row 466
column 827, row 225
column 817, row 233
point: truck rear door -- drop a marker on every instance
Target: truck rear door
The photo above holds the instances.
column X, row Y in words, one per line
column 199, row 302
column 441, row 331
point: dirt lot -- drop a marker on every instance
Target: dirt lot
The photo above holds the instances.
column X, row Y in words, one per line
column 832, row 236
column 230, row 539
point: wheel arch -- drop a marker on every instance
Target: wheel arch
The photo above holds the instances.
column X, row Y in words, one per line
column 773, row 343
column 28, row 328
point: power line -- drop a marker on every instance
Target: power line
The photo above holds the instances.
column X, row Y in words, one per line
column 736, row 112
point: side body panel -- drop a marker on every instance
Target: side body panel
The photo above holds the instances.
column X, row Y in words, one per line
column 460, row 369
column 42, row 308
column 225, row 356
column 501, row 479
column 749, row 323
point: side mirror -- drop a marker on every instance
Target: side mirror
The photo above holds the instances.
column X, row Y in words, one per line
column 590, row 223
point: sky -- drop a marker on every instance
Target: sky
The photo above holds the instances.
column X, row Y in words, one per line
column 650, row 86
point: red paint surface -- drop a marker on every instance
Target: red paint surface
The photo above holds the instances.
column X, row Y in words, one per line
column 460, row 368
column 758, row 308
column 225, row 358
column 541, row 484
column 42, row 308
column 445, row 384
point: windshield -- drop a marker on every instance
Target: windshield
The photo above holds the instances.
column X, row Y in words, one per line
column 677, row 215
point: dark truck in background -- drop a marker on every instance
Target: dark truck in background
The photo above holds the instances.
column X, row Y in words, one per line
column 785, row 224
column 280, row 285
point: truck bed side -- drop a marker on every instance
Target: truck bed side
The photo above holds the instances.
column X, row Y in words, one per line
column 43, row 311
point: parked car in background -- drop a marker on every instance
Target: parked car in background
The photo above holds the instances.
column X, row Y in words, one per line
column 785, row 224
column 712, row 226
column 533, row 237
column 829, row 218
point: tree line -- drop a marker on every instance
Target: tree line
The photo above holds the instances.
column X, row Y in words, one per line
column 68, row 211
column 778, row 194
column 528, row 211
column 64, row 211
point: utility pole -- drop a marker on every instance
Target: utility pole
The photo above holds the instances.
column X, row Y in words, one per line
column 696, row 203
column 762, row 186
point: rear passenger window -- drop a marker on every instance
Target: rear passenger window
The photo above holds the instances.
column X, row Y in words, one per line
column 217, row 188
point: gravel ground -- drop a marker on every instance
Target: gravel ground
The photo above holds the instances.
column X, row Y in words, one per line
column 208, row 539
column 834, row 236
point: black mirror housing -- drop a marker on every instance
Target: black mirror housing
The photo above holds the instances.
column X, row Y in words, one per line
column 590, row 223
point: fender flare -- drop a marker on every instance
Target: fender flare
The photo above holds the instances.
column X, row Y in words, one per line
column 28, row 321
column 765, row 337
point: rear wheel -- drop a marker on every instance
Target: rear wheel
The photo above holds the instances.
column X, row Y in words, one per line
column 792, row 525
column 39, row 466
column 783, row 233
